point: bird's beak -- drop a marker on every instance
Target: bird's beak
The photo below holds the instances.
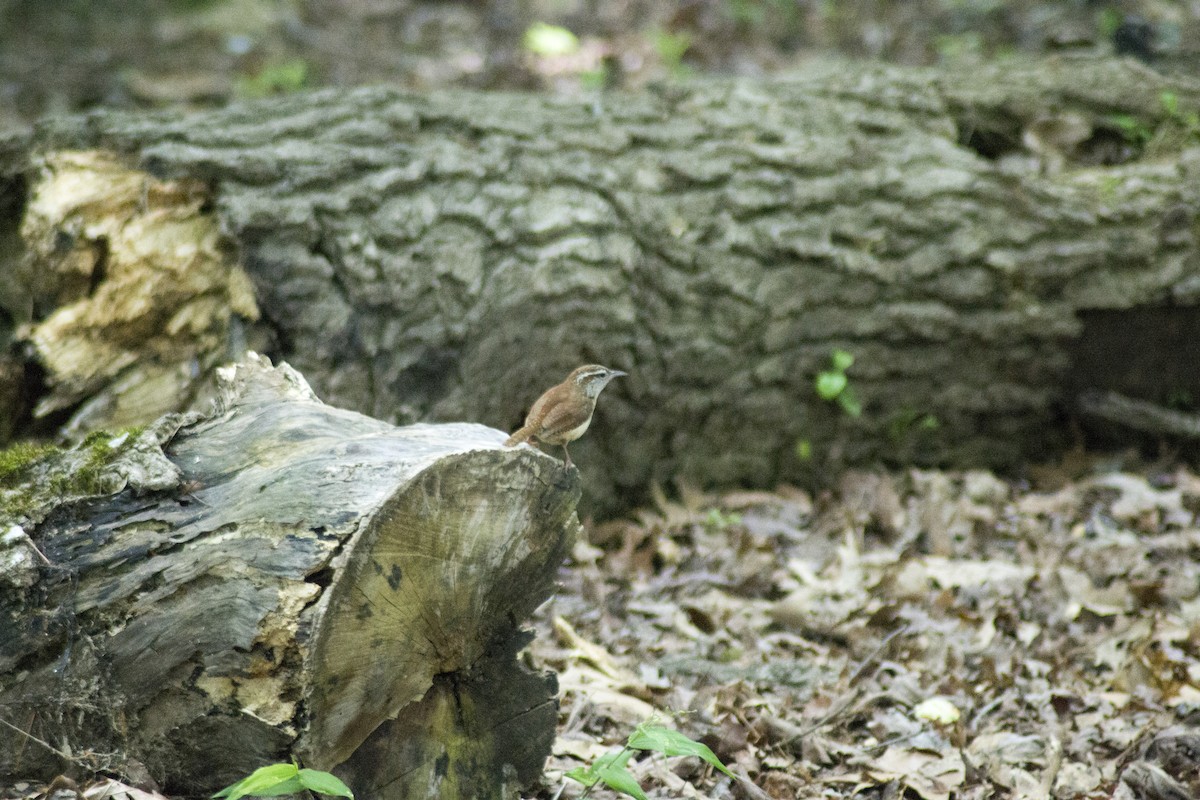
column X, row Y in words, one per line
column 616, row 373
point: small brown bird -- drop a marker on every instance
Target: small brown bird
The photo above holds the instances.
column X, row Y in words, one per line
column 563, row 413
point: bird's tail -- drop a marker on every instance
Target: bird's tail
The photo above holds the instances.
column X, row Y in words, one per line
column 521, row 435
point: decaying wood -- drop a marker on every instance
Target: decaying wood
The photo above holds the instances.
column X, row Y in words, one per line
column 285, row 577
column 444, row 256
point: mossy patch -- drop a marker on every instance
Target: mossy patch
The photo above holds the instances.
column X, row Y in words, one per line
column 35, row 476
column 100, row 449
column 17, row 459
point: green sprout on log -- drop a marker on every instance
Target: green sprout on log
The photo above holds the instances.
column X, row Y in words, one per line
column 908, row 421
column 1133, row 129
column 277, row 78
column 1140, row 133
column 609, row 769
column 834, row 386
column 671, row 48
column 1189, row 121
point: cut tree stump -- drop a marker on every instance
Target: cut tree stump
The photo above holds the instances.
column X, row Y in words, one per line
column 282, row 577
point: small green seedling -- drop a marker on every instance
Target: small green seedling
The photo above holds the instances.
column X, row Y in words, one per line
column 1133, row 129
column 1108, row 21
column 278, row 78
column 908, row 421
column 1140, row 133
column 1188, row 120
column 833, row 384
column 609, row 769
column 671, row 48
column 719, row 521
column 274, row 780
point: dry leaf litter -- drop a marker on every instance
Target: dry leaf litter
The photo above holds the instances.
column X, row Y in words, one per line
column 927, row 635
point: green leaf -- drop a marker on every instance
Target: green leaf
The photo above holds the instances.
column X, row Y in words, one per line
column 583, row 775
column 324, row 783
column 591, row 775
column 672, row 46
column 290, row 786
column 673, row 743
column 850, row 403
column 1170, row 102
column 264, row 782
column 550, row 40
column 1110, row 20
column 615, row 776
column 842, row 360
column 276, row 78
column 613, row 758
column 804, row 449
column 594, row 79
column 1125, row 122
column 1133, row 129
column 830, row 384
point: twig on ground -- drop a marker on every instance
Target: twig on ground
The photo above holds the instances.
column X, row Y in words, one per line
column 849, row 699
column 1140, row 415
column 35, row 739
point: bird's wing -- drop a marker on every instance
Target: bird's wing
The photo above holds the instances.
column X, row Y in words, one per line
column 557, row 418
column 538, row 411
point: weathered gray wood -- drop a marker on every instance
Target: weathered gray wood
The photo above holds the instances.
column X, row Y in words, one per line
column 448, row 256
column 289, row 578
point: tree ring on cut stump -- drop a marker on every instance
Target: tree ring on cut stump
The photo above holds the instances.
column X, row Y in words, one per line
column 435, row 583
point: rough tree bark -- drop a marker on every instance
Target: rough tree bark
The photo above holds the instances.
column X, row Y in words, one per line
column 448, row 256
column 282, row 577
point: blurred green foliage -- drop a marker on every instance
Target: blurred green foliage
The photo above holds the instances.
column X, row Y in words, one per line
column 671, row 48
column 550, row 40
column 275, row 78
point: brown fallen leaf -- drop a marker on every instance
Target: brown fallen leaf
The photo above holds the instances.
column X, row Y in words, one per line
column 932, row 776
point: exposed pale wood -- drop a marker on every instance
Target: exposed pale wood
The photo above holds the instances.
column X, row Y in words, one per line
column 146, row 294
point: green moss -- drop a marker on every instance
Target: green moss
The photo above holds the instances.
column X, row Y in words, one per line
column 60, row 474
column 99, row 451
column 16, row 460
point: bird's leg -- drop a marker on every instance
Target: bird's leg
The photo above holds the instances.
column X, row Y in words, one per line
column 567, row 462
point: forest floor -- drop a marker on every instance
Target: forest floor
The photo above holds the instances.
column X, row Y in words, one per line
column 926, row 634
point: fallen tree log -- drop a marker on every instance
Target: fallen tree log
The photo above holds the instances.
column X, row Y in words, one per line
column 282, row 577
column 976, row 239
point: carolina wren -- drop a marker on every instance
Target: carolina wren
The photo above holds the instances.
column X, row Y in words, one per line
column 563, row 413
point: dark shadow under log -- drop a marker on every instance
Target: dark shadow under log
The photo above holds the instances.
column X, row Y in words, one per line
column 294, row 578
